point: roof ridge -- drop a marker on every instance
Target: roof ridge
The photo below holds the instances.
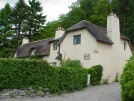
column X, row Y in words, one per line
column 40, row 40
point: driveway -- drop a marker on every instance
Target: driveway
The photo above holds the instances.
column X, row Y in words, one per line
column 107, row 92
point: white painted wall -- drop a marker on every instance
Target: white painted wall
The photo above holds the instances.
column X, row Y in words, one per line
column 52, row 56
column 111, row 57
column 87, row 46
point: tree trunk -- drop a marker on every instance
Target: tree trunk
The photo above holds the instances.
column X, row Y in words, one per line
column 18, row 38
column 30, row 32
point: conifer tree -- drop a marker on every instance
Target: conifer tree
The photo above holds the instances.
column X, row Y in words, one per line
column 18, row 17
column 6, row 32
column 35, row 20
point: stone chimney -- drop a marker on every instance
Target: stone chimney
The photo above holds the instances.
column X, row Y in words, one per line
column 113, row 27
column 25, row 40
column 59, row 32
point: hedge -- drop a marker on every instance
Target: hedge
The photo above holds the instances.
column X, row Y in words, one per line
column 24, row 73
column 127, row 81
column 96, row 74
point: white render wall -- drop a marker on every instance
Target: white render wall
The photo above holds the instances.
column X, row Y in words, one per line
column 52, row 56
column 111, row 57
column 87, row 46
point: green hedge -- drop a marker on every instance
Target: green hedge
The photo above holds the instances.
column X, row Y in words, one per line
column 72, row 79
column 24, row 73
column 127, row 81
column 96, row 74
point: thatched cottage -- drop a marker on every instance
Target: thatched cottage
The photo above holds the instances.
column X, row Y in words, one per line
column 84, row 41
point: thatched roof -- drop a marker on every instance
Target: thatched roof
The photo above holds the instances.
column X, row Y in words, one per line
column 41, row 48
column 124, row 37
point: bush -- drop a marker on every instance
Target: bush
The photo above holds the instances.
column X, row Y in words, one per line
column 127, row 81
column 72, row 79
column 96, row 74
column 35, row 57
column 105, row 81
column 25, row 73
column 71, row 63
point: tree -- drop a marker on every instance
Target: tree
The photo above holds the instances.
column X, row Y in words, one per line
column 94, row 11
column 18, row 16
column 6, row 32
column 100, row 12
column 49, row 30
column 73, row 16
column 124, row 9
column 35, row 20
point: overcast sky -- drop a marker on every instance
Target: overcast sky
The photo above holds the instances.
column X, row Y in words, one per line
column 51, row 8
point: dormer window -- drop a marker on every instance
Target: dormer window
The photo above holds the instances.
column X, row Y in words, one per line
column 77, row 39
column 55, row 46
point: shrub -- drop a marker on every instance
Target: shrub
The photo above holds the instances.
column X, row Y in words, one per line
column 71, row 63
column 127, row 81
column 96, row 74
column 116, row 77
column 72, row 79
column 25, row 73
column 105, row 81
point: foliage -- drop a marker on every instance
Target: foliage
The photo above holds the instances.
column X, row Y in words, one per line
column 25, row 73
column 74, row 16
column 35, row 20
column 19, row 21
column 117, row 77
column 105, row 81
column 72, row 79
column 96, row 74
column 18, row 16
column 34, row 57
column 71, row 63
column 123, row 8
column 49, row 30
column 6, row 32
column 30, row 20
column 127, row 81
column 94, row 11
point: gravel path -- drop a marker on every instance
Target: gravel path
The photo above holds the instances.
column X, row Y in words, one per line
column 108, row 92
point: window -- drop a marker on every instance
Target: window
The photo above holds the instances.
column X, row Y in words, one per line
column 77, row 39
column 124, row 45
column 54, row 63
column 54, row 46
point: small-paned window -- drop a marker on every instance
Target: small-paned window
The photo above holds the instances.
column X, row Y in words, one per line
column 54, row 63
column 124, row 45
column 55, row 46
column 77, row 39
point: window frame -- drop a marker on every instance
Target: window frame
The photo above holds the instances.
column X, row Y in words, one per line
column 77, row 39
column 55, row 46
column 125, row 45
column 54, row 63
